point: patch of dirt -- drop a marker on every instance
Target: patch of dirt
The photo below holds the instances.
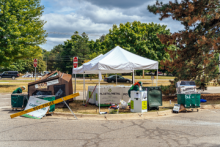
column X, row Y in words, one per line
column 78, row 107
column 215, row 96
column 167, row 98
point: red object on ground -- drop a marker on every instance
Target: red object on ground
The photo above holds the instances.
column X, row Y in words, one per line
column 137, row 84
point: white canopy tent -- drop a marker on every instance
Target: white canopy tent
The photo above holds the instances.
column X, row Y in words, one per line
column 117, row 60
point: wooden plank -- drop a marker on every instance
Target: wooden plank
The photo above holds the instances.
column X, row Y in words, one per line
column 45, row 105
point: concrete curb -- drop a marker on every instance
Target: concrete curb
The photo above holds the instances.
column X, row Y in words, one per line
column 114, row 116
column 129, row 116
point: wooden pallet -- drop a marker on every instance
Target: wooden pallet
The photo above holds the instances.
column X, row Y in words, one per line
column 182, row 108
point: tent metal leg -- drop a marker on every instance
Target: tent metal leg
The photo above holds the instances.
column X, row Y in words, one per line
column 116, row 78
column 83, row 86
column 99, row 97
column 157, row 76
column 75, row 84
column 133, row 76
column 75, row 87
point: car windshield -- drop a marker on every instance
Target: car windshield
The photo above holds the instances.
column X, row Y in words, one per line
column 111, row 76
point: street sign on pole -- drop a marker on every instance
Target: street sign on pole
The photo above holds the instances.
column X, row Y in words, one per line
column 75, row 65
column 75, row 62
column 35, row 62
column 35, row 65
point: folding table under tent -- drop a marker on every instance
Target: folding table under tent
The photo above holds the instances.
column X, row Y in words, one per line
column 117, row 60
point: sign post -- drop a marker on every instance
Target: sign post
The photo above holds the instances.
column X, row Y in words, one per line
column 35, row 65
column 152, row 78
column 75, row 65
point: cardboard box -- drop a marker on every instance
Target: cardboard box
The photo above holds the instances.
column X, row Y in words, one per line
column 55, row 83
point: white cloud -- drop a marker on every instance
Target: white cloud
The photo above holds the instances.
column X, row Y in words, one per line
column 94, row 18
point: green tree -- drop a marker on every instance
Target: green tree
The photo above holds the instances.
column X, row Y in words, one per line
column 198, row 44
column 53, row 59
column 97, row 47
column 41, row 65
column 21, row 30
column 78, row 46
column 24, row 65
column 139, row 38
column 16, row 66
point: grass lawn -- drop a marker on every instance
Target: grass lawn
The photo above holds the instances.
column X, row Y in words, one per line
column 9, row 85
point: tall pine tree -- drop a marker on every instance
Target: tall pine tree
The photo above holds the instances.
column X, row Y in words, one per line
column 198, row 44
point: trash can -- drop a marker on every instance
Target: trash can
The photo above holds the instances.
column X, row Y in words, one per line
column 48, row 98
column 184, row 99
column 189, row 100
column 19, row 100
column 154, row 96
column 138, row 101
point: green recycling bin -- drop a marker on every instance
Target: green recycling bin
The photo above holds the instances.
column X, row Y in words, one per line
column 196, row 100
column 48, row 98
column 189, row 100
column 154, row 97
column 19, row 100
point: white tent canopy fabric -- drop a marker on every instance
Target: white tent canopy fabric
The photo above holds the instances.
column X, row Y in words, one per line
column 117, row 60
column 79, row 70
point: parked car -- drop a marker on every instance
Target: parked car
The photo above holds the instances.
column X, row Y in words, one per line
column 112, row 79
column 160, row 73
column 9, row 74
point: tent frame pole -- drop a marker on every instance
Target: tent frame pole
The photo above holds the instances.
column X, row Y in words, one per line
column 83, row 86
column 116, row 78
column 75, row 84
column 133, row 76
column 157, row 75
column 99, row 95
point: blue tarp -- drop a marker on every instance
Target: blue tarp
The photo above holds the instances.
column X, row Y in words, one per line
column 203, row 100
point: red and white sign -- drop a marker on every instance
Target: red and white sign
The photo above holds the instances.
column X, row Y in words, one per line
column 75, row 62
column 35, row 62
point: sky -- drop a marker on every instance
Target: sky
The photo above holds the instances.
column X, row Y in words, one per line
column 95, row 17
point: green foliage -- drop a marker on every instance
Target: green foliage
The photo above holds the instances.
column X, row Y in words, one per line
column 53, row 58
column 168, row 90
column 196, row 55
column 61, row 56
column 139, row 38
column 97, row 47
column 24, row 65
column 21, row 30
column 41, row 65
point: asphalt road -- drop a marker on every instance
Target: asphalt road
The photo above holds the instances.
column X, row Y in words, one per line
column 192, row 129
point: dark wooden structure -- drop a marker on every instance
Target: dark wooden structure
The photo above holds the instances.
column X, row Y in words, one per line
column 55, row 83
